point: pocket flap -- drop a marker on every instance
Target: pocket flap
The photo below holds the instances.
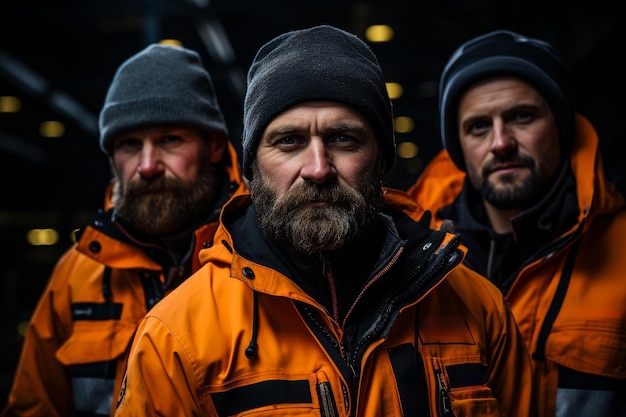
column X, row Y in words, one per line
column 96, row 341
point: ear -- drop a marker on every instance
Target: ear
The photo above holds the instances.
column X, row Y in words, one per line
column 217, row 147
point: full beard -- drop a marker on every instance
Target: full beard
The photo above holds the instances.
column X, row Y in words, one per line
column 291, row 219
column 509, row 194
column 164, row 206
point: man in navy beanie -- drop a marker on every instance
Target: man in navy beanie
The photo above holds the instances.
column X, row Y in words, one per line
column 173, row 168
column 322, row 295
column 520, row 178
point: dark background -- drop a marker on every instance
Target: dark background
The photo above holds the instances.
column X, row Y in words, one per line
column 58, row 57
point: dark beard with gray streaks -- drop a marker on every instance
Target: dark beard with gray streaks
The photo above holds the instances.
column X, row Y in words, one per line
column 292, row 220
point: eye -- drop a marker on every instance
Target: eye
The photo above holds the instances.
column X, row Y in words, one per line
column 170, row 139
column 522, row 117
column 347, row 142
column 478, row 127
column 343, row 139
column 289, row 142
column 127, row 144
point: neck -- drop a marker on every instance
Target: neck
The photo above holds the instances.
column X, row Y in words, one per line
column 500, row 219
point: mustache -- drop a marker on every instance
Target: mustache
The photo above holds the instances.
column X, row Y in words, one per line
column 516, row 159
column 314, row 193
column 153, row 184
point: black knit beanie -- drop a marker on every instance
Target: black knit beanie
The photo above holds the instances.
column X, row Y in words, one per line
column 319, row 63
column 505, row 53
column 162, row 84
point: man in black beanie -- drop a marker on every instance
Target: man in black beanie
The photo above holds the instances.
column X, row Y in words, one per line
column 521, row 180
column 173, row 168
column 322, row 295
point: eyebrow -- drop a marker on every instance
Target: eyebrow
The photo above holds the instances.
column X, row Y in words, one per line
column 351, row 126
column 348, row 126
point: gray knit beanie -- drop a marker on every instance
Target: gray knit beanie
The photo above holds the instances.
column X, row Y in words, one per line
column 162, row 84
column 319, row 63
column 505, row 53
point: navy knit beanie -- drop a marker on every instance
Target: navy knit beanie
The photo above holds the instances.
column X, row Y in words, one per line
column 319, row 63
column 162, row 84
column 505, row 53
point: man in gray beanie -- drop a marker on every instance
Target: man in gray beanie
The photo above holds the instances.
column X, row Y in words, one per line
column 173, row 168
column 521, row 180
column 322, row 295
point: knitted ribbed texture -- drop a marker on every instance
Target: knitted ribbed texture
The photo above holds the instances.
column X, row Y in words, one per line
column 162, row 84
column 319, row 63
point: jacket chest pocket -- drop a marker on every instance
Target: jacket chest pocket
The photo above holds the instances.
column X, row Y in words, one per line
column 95, row 354
column 455, row 369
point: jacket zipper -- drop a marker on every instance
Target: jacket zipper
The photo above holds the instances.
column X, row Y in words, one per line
column 444, row 406
column 327, row 402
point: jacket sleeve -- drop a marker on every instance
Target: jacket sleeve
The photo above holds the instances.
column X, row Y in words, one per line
column 158, row 379
column 42, row 385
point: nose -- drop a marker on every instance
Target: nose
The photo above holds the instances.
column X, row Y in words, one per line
column 503, row 140
column 317, row 163
column 150, row 164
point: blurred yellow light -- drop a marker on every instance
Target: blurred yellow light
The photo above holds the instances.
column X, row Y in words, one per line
column 379, row 33
column 173, row 42
column 51, row 129
column 42, row 237
column 10, row 104
column 394, row 90
column 407, row 150
column 403, row 124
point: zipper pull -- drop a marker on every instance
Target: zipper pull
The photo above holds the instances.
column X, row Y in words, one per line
column 445, row 405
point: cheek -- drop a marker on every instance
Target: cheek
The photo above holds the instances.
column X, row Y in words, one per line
column 279, row 178
column 547, row 157
column 545, row 147
column 125, row 170
column 475, row 153
column 279, row 167
column 185, row 169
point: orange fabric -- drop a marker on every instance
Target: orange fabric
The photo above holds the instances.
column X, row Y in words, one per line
column 191, row 346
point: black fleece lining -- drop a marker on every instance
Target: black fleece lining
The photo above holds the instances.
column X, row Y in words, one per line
column 249, row 397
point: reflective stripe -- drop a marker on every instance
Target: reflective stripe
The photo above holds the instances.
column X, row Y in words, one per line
column 572, row 402
column 581, row 394
column 93, row 385
column 93, row 396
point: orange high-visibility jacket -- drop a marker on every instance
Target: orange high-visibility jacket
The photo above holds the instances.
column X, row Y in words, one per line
column 74, row 354
column 426, row 336
column 571, row 313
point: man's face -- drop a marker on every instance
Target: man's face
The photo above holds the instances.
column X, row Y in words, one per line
column 316, row 183
column 164, row 177
column 509, row 140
